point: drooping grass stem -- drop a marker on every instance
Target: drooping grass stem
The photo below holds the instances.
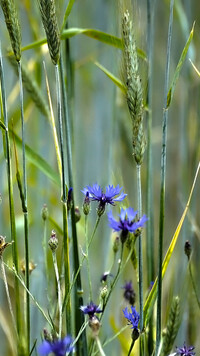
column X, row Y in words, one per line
column 24, row 207
column 162, row 189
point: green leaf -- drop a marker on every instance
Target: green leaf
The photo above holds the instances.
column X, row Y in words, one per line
column 38, row 161
column 178, row 68
column 67, row 12
column 95, row 34
column 111, row 76
column 2, row 125
column 152, row 295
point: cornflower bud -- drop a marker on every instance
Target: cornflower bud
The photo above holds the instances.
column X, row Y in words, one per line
column 53, row 241
column 86, row 204
column 45, row 212
column 188, row 249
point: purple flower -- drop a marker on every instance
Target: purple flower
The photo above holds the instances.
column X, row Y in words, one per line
column 129, row 293
column 91, row 309
column 58, row 347
column 127, row 222
column 133, row 317
column 185, row 351
column 96, row 194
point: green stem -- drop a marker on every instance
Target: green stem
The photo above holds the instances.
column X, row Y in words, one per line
column 140, row 257
column 7, row 293
column 25, row 211
column 162, row 190
column 64, row 200
column 59, row 294
column 87, row 257
column 193, row 284
column 131, row 347
column 11, row 200
column 102, row 353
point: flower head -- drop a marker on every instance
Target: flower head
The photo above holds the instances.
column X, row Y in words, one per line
column 129, row 293
column 58, row 347
column 91, row 309
column 109, row 197
column 133, row 317
column 127, row 222
column 185, row 351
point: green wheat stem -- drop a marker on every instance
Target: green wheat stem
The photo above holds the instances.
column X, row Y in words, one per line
column 24, row 205
column 140, row 257
column 10, row 195
column 87, row 256
column 150, row 211
column 59, row 293
column 162, row 189
column 79, row 317
column 64, row 201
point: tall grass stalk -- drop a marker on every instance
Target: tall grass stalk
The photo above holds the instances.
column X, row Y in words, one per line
column 149, row 197
column 64, row 200
column 87, row 257
column 162, row 189
column 59, row 293
column 140, row 257
column 8, row 294
column 24, row 208
column 11, row 202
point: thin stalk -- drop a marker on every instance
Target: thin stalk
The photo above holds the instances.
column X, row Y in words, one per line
column 64, row 200
column 150, row 234
column 140, row 257
column 101, row 352
column 66, row 298
column 193, row 284
column 162, row 189
column 59, row 293
column 114, row 281
column 87, row 257
column 10, row 196
column 150, row 227
column 24, row 206
column 111, row 289
column 131, row 347
column 7, row 293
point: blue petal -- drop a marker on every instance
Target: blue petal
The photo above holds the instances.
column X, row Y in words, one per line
column 45, row 348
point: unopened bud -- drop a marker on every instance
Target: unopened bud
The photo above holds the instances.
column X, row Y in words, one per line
column 116, row 244
column 188, row 249
column 86, row 204
column 45, row 212
column 70, row 199
column 77, row 214
column 53, row 241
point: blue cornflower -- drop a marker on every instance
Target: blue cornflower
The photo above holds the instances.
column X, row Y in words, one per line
column 127, row 222
column 185, row 351
column 91, row 309
column 129, row 293
column 96, row 194
column 58, row 347
column 133, row 317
